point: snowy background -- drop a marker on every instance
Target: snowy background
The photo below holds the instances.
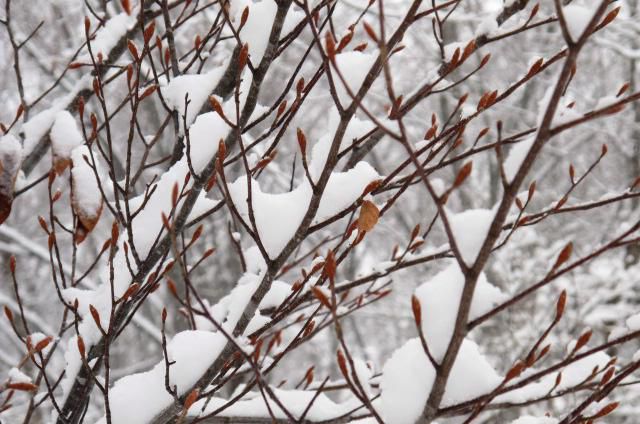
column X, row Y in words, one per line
column 218, row 230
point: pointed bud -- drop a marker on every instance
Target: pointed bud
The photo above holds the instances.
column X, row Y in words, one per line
column 561, row 304
column 319, row 294
column 464, row 172
column 302, row 141
column 417, row 310
column 342, row 363
column 564, row 255
column 81, row 347
column 243, row 57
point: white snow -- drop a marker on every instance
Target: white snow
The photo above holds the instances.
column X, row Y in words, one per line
column 606, row 101
column 276, row 295
column 295, row 401
column 254, row 260
column 487, row 26
column 104, row 41
column 198, row 87
column 578, row 18
column 137, row 398
column 440, row 299
column 193, row 351
column 65, row 136
column 258, row 28
column 471, row 376
column 354, row 67
column 279, row 215
column 86, row 192
column 10, row 160
column 407, row 378
column 633, row 322
column 470, row 229
column 408, row 375
column 10, row 146
column 17, row 376
column 517, row 154
column 572, row 375
column 39, row 124
column 206, row 130
column 108, row 36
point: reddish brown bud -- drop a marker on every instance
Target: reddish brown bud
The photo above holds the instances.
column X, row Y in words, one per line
column 623, row 89
column 464, row 172
column 244, row 17
column 12, row 264
column 191, row 398
column 607, row 376
column 532, row 190
column 148, row 91
column 8, row 313
column 22, row 387
column 610, row 17
column 197, row 233
column 330, row 46
column 115, row 233
column 417, row 310
column 132, row 290
column 126, row 5
column 81, row 106
column 560, row 305
column 431, row 132
column 564, row 255
column 133, row 50
column 342, row 363
column 174, row 194
column 222, row 150
column 370, row 32
column 81, row 347
column 360, row 47
column 148, row 32
column 281, row 109
column 605, row 411
column 211, row 182
column 330, row 266
column 302, row 141
column 534, row 11
column 583, row 340
column 42, row 344
column 172, row 288
column 345, row 41
column 243, row 57
column 468, row 49
column 96, row 317
column 572, row 173
column 515, row 371
column 485, row 60
column 319, row 294
column 535, row 68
